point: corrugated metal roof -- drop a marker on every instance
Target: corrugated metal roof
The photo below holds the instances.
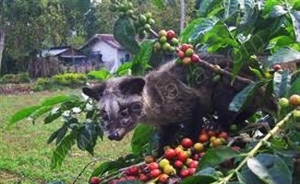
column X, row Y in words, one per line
column 53, row 52
column 107, row 38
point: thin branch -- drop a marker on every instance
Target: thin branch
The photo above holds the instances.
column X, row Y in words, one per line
column 85, row 167
column 223, row 72
column 153, row 33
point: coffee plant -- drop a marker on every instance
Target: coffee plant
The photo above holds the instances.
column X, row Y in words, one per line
column 257, row 34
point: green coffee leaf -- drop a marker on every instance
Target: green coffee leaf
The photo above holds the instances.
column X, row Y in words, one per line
column 87, row 138
column 295, row 16
column 37, row 113
column 249, row 15
column 231, row 8
column 112, row 166
column 22, row 114
column 198, row 179
column 51, row 117
column 197, row 29
column 124, row 33
column 283, row 55
column 270, row 169
column 278, row 11
column 62, row 150
column 243, row 97
column 59, row 99
column 247, row 177
column 216, row 156
column 141, row 137
column 207, row 7
column 141, row 60
column 295, row 87
column 58, row 135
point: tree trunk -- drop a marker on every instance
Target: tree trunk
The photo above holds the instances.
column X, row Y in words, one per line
column 182, row 14
column 2, row 37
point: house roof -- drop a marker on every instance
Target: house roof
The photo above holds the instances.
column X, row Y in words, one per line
column 107, row 38
column 65, row 51
column 54, row 51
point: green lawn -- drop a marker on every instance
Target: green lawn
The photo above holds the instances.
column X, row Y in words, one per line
column 25, row 156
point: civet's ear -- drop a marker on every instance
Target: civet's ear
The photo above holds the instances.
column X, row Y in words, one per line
column 94, row 92
column 132, row 85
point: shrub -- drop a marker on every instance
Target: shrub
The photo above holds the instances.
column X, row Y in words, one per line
column 70, row 79
column 43, row 84
column 15, row 78
column 23, row 77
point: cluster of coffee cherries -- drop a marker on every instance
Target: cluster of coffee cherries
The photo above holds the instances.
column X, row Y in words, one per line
column 292, row 101
column 143, row 24
column 123, row 8
column 213, row 138
column 269, row 73
column 176, row 164
column 167, row 41
column 186, row 55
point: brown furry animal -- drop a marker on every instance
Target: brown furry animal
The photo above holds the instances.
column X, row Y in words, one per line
column 170, row 95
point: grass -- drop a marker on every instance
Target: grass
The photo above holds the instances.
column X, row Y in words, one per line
column 25, row 156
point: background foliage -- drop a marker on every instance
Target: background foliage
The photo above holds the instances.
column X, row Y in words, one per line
column 33, row 25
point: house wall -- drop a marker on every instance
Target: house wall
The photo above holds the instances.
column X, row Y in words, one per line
column 122, row 57
column 110, row 56
column 109, row 53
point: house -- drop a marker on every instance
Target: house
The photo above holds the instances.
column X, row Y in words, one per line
column 70, row 59
column 66, row 54
column 104, row 51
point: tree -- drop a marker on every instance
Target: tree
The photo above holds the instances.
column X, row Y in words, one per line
column 74, row 12
column 99, row 19
column 182, row 14
column 31, row 26
column 2, row 39
column 2, row 32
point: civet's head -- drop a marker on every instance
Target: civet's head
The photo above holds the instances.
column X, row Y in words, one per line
column 120, row 104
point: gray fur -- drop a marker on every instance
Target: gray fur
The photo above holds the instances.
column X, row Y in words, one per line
column 164, row 96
